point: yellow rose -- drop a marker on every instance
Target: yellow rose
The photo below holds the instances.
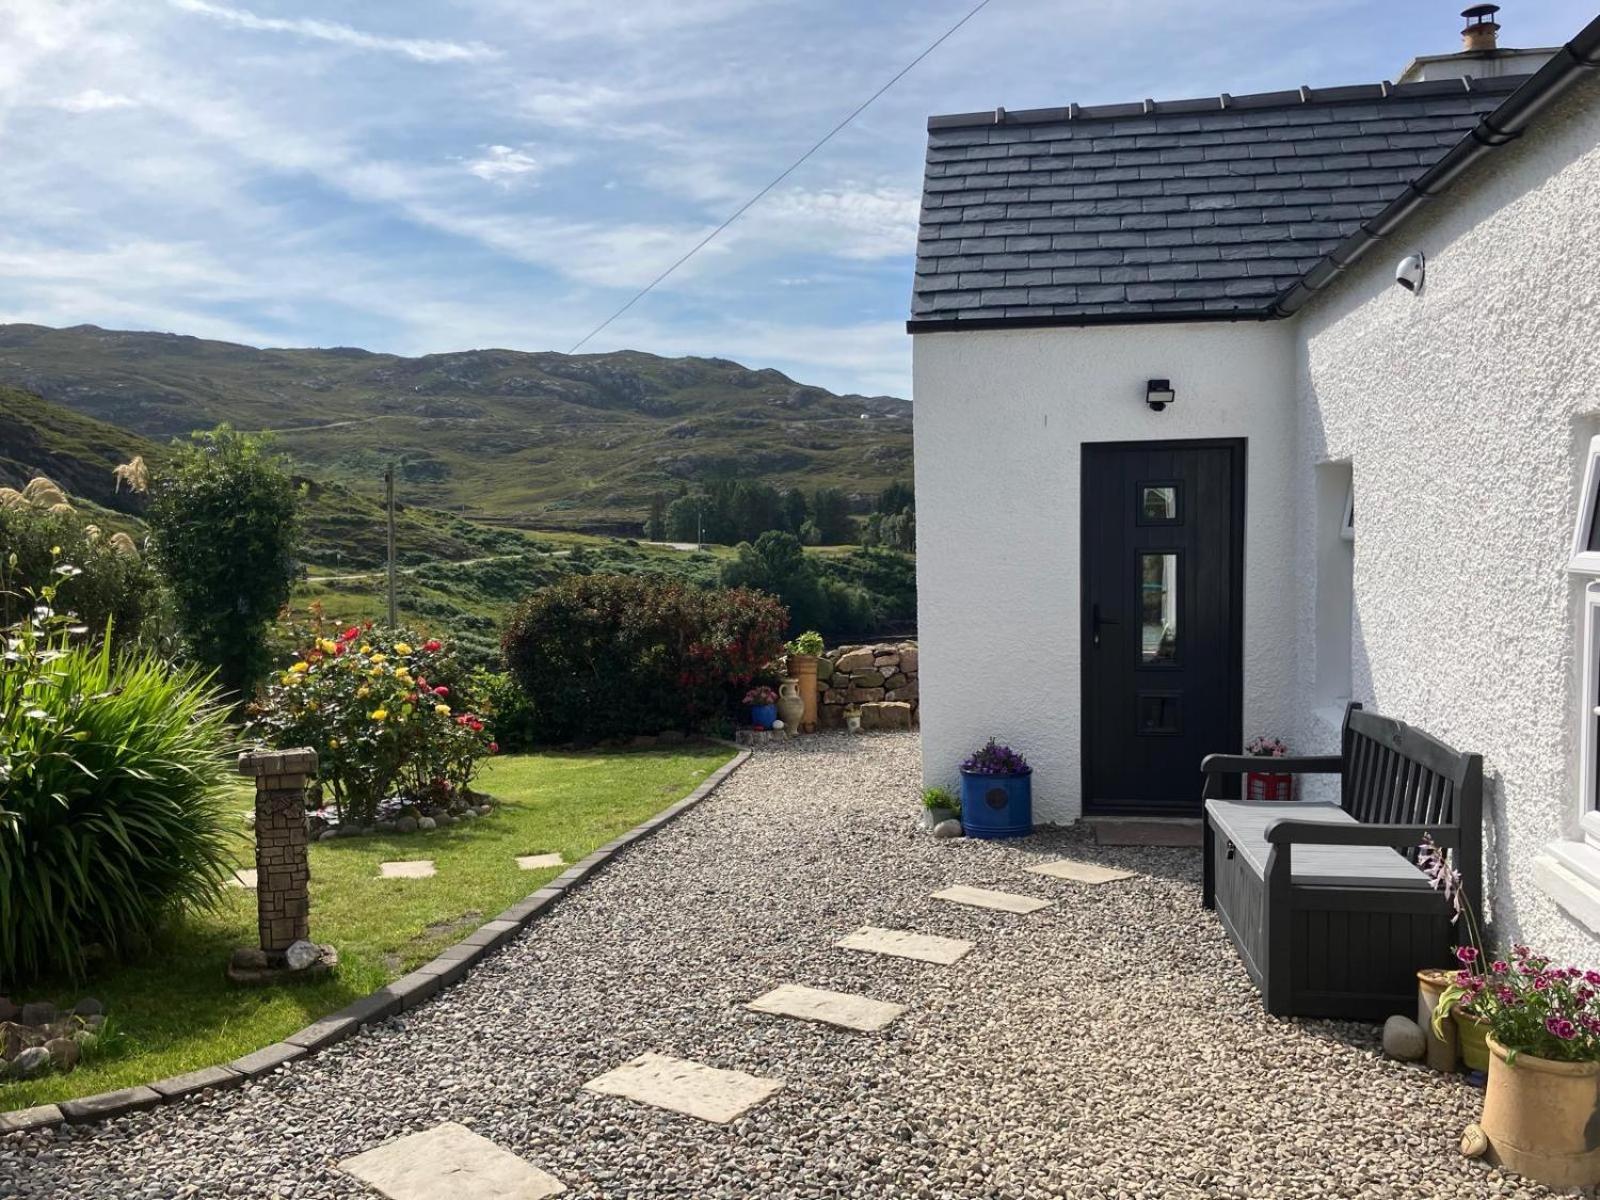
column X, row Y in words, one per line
column 378, row 714
column 326, row 646
column 378, row 658
column 363, row 690
column 401, row 648
column 300, row 668
column 333, row 743
column 442, row 709
column 288, row 679
column 365, row 649
column 403, row 677
column 311, row 706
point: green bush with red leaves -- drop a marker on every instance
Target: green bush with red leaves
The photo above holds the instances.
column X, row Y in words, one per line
column 607, row 656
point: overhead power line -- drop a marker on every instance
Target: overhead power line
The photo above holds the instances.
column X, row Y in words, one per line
column 787, row 171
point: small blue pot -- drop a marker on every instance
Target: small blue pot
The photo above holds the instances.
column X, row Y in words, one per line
column 763, row 715
column 996, row 806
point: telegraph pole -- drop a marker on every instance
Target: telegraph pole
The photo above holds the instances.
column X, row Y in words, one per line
column 388, row 488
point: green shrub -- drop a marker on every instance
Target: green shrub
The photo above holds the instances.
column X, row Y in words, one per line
column 224, row 527
column 937, row 797
column 387, row 712
column 112, row 774
column 611, row 656
column 506, row 706
column 112, row 580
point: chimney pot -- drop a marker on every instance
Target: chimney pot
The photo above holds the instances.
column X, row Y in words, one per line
column 1482, row 31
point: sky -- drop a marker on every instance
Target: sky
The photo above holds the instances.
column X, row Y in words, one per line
column 416, row 177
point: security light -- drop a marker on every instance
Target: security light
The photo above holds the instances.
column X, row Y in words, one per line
column 1158, row 394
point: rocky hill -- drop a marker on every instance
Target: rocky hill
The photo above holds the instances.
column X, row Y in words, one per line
column 539, row 440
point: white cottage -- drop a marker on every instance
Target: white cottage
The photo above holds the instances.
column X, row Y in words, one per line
column 1193, row 465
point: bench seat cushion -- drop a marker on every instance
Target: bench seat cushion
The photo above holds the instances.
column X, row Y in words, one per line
column 1244, row 823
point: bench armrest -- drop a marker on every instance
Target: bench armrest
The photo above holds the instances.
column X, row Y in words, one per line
column 1319, row 833
column 1237, row 764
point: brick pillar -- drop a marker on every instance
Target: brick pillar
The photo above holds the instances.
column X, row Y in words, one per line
column 283, row 903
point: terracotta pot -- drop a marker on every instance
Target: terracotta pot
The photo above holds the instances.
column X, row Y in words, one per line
column 790, row 707
column 1542, row 1118
column 1472, row 1035
column 804, row 668
column 1431, row 983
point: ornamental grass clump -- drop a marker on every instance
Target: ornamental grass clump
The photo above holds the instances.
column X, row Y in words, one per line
column 1531, row 1005
column 113, row 770
column 386, row 714
column 995, row 759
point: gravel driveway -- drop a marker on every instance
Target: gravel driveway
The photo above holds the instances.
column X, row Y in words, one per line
column 1109, row 1046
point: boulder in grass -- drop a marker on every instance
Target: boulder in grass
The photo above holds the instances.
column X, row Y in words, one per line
column 63, row 1052
column 35, row 1060
column 302, row 954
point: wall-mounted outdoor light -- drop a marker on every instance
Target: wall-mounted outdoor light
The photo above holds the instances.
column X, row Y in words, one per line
column 1158, row 394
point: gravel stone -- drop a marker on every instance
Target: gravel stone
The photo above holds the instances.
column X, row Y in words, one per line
column 1110, row 1047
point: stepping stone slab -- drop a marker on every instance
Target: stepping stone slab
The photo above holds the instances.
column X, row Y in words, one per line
column 450, row 1160
column 1080, row 872
column 414, row 869
column 536, row 862
column 244, row 878
column 985, row 898
column 897, row 942
column 691, row 1088
column 831, row 1008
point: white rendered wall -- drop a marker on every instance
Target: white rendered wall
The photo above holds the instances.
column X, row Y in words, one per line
column 1462, row 411
column 1001, row 418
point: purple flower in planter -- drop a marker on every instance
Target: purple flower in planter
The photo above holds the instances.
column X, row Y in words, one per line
column 1467, row 954
column 1561, row 1028
column 995, row 759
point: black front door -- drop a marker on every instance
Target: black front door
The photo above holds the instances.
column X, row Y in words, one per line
column 1163, row 577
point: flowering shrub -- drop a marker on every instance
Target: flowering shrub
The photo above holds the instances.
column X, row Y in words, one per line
column 1267, row 747
column 603, row 656
column 381, row 710
column 996, row 760
column 1530, row 1005
column 757, row 697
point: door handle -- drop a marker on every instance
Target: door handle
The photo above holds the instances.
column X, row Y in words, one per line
column 1096, row 620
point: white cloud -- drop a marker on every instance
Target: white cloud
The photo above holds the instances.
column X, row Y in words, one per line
column 94, row 100
column 420, row 49
column 504, row 165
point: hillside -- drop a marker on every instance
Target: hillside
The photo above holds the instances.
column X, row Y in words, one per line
column 538, row 440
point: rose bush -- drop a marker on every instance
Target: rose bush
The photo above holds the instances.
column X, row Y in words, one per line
column 386, row 714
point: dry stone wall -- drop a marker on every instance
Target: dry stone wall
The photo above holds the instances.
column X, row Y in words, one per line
column 879, row 679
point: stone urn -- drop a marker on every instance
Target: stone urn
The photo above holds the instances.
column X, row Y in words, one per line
column 1538, row 1116
column 804, row 668
column 791, row 708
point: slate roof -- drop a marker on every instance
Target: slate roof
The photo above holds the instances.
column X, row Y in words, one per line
column 1179, row 210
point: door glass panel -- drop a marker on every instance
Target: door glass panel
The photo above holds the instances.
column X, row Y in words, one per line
column 1158, row 504
column 1158, row 607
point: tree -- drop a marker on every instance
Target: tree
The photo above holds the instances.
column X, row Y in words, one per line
column 223, row 528
column 831, row 513
column 795, row 510
column 777, row 563
column 896, row 499
column 655, row 526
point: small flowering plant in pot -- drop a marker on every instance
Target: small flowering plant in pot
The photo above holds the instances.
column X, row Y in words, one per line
column 938, row 806
column 1268, row 785
column 996, row 793
column 763, row 704
column 1543, row 1041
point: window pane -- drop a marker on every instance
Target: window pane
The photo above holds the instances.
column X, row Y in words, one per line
column 1594, row 524
column 1158, row 607
column 1159, row 504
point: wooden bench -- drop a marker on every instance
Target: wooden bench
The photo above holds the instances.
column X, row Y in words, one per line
column 1325, row 902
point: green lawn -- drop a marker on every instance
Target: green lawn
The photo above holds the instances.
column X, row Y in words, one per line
column 174, row 1011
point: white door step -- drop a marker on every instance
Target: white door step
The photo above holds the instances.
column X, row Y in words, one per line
column 681, row 1086
column 830, row 1008
column 987, row 898
column 901, row 944
column 1080, row 872
column 450, row 1160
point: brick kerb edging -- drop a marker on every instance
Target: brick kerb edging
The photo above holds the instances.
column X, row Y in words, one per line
column 404, row 993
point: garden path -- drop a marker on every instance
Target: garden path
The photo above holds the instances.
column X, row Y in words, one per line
column 1108, row 1044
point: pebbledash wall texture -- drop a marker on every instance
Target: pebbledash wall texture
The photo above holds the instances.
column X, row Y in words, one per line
column 1459, row 417
column 1464, row 413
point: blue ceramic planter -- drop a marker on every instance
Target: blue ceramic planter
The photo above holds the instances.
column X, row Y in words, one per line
column 763, row 715
column 996, row 806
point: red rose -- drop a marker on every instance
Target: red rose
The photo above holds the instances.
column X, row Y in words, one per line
column 433, row 645
column 350, row 634
column 494, row 747
column 441, row 690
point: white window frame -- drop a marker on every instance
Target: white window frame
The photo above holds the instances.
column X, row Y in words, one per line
column 1589, row 712
column 1347, row 523
column 1584, row 561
